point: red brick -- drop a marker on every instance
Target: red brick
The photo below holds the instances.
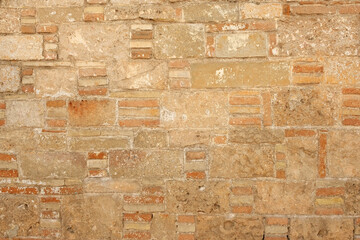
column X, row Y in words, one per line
column 7, row 157
column 138, row 217
column 49, row 214
column 138, row 103
column 141, row 53
column 98, row 173
column 299, row 133
column 97, row 155
column 322, row 155
column 245, row 121
column 349, row 9
column 46, row 29
column 2, row 122
column 242, row 209
column 332, row 191
column 195, row 175
column 179, row 64
column 20, row 190
column 27, row 88
column 12, row 173
column 141, row 35
column 242, row 190
column 277, row 221
column 308, row 69
column 329, row 211
column 139, row 122
column 144, row 199
column 280, row 174
column 93, row 92
column 280, row 156
column 92, row 72
column 61, row 190
column 28, row 29
column 220, row 139
column 186, row 237
column 244, row 101
column 351, row 122
column 286, row 9
column 56, row 103
column 93, row 17
column 352, row 103
column 56, row 122
column 312, row 10
column 137, row 235
column 27, row 72
column 186, row 219
column 30, row 12
column 153, row 190
column 195, row 155
column 50, row 199
column 355, row 91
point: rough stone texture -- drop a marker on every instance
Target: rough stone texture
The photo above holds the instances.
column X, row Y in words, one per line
column 179, row 119
column 302, row 107
column 179, row 41
column 138, row 164
column 214, row 227
column 55, row 82
column 321, row 228
column 301, row 36
column 21, row 47
column 198, row 197
column 53, row 165
column 284, row 198
column 239, row 74
column 25, row 113
column 93, row 42
column 9, row 78
column 20, row 216
column 343, row 156
column 242, row 162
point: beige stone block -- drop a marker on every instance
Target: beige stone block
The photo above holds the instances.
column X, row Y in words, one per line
column 59, row 15
column 21, row 47
column 25, row 113
column 211, row 12
column 9, row 78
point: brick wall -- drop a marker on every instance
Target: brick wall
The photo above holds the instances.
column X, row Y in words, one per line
column 179, row 119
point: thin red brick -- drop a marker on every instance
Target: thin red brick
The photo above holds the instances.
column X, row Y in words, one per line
column 186, row 219
column 97, row 155
column 351, row 122
column 195, row 175
column 329, row 211
column 185, row 236
column 242, row 209
column 9, row 173
column 355, row 91
column 195, row 155
column 138, row 217
column 179, row 64
column 332, row 191
column 93, row 92
column 308, row 69
column 56, row 103
column 352, row 103
column 242, row 190
column 138, row 103
column 244, row 101
column 56, row 122
column 27, row 72
column 137, row 235
column 139, row 122
column 245, row 121
column 7, row 157
column 280, row 174
column 20, row 190
column 27, row 88
column 277, row 221
column 50, row 199
column 92, row 72
column 46, row 29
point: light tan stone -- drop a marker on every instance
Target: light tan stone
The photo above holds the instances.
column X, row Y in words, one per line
column 9, row 78
column 59, row 15
column 241, row 162
column 21, row 47
column 98, row 143
column 150, row 139
column 254, row 135
column 179, row 41
column 210, row 12
column 163, row 226
column 25, row 113
column 345, row 71
column 179, row 110
column 159, row 12
column 186, row 138
column 263, row 10
column 239, row 74
column 41, row 3
column 9, row 20
column 111, row 186
column 121, row 12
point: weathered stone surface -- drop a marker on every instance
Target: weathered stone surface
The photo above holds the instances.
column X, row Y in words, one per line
column 221, row 228
column 93, row 42
column 138, row 75
column 179, row 110
column 256, row 136
column 302, row 158
column 284, row 198
column 150, row 139
column 98, row 143
column 301, row 36
column 111, row 186
column 25, row 113
column 21, row 47
column 198, row 197
column 343, row 156
column 9, row 78
column 160, row 12
column 59, row 15
column 55, row 82
column 308, row 106
column 139, row 164
column 20, row 216
column 239, row 74
column 53, row 165
column 264, row 10
column 92, row 217
column 240, row 45
column 321, row 228
column 186, row 138
column 179, row 41
column 345, row 71
column 41, row 3
column 241, row 162
column 121, row 12
column 352, row 197
column 210, row 12
column 163, row 226
column 9, row 20
column 91, row 112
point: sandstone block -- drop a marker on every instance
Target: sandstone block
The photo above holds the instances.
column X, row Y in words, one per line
column 59, row 15
column 21, row 47
column 9, row 78
column 9, row 20
column 261, row 11
column 256, row 135
column 210, row 12
column 41, row 3
column 25, row 113
column 150, row 139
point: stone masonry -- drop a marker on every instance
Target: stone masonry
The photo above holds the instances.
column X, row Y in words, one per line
column 179, row 119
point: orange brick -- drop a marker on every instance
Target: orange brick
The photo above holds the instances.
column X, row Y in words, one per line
column 179, row 64
column 97, row 155
column 299, row 133
column 20, row 190
column 27, row 88
column 138, row 103
column 50, row 199
column 30, row 12
column 141, row 35
column 312, row 9
column 92, row 72
column 186, row 219
column 220, row 139
column 56, row 122
column 332, row 191
column 322, row 155
column 242, row 209
column 28, row 29
column 46, row 29
column 93, row 17
column 51, row 38
column 144, row 199
column 195, row 155
column 329, row 211
column 245, row 121
column 221, row 27
column 137, row 235
column 286, row 9
column 276, row 238
column 49, row 214
column 2, row 122
column 280, row 174
column 141, row 53
column 210, row 46
column 352, row 103
column 92, row 92
column 351, row 122
column 277, row 221
column 264, row 25
column 242, row 190
column 27, row 71
column 186, row 237
column 139, row 122
column 49, row 55
column 56, row 103
column 153, row 190
column 138, row 217
column 61, row 190
column 97, row 1
column 12, row 173
column 195, row 175
column 280, row 156
column 308, row 69
column 355, row 91
column 244, row 101
column 98, row 173
column 7, row 157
